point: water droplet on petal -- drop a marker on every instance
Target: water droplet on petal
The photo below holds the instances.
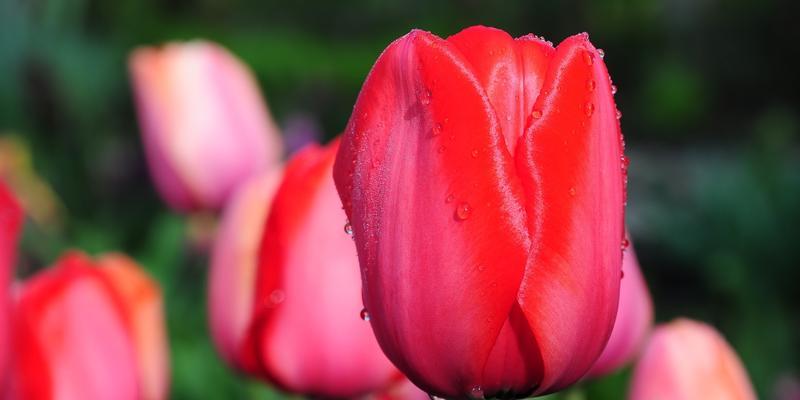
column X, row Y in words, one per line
column 588, row 108
column 426, row 97
column 474, row 153
column 481, row 268
column 621, row 274
column 588, row 58
column 601, row 52
column 449, row 198
column 441, row 149
column 625, row 161
column 277, row 297
column 437, row 129
column 613, row 89
column 536, row 114
column 463, row 211
column 625, row 244
column 348, row 228
column 572, row 192
column 619, row 114
column 476, row 392
column 590, row 84
column 364, row 314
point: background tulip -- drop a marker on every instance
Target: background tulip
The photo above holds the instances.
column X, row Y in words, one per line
column 205, row 127
column 688, row 360
column 10, row 224
column 70, row 338
column 633, row 322
column 143, row 309
column 234, row 262
column 307, row 332
column 484, row 178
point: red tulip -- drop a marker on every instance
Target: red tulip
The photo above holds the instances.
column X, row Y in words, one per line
column 484, row 179
column 205, row 126
column 234, row 262
column 306, row 333
column 688, row 360
column 143, row 310
column 633, row 322
column 70, row 338
column 10, row 224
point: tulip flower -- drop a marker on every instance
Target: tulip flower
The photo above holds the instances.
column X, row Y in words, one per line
column 688, row 360
column 307, row 333
column 205, row 127
column 484, row 180
column 71, row 341
column 234, row 262
column 633, row 322
column 143, row 309
column 10, row 224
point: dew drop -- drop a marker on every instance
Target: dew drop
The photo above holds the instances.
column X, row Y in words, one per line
column 625, row 244
column 441, row 149
column 437, row 129
column 536, row 114
column 619, row 114
column 625, row 161
column 481, row 268
column 277, row 296
column 588, row 58
column 474, row 153
column 621, row 274
column 463, row 211
column 476, row 392
column 426, row 97
column 601, row 52
column 588, row 109
column 572, row 192
column 364, row 314
column 590, row 84
column 613, row 89
column 348, row 228
column 449, row 198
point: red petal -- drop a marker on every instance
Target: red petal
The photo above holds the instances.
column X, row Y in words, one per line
column 437, row 212
column 510, row 71
column 312, row 340
column 10, row 223
column 570, row 163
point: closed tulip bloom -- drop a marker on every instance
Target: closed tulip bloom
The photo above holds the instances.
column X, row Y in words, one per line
column 307, row 333
column 484, row 179
column 205, row 126
column 70, row 338
column 10, row 223
column 633, row 322
column 689, row 360
column 142, row 307
column 234, row 262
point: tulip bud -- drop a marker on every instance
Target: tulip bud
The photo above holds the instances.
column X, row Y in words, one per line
column 306, row 331
column 143, row 310
column 234, row 262
column 484, row 177
column 205, row 127
column 70, row 338
column 633, row 322
column 10, row 223
column 688, row 360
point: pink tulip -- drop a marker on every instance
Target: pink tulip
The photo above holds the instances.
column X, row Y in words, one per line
column 633, row 322
column 689, row 360
column 10, row 224
column 234, row 262
column 143, row 309
column 71, row 340
column 306, row 333
column 205, row 127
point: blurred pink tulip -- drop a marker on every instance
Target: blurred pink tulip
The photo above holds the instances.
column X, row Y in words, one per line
column 143, row 309
column 10, row 224
column 234, row 259
column 633, row 322
column 689, row 360
column 306, row 332
column 205, row 126
column 70, row 338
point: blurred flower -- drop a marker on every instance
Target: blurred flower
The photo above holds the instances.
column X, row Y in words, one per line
column 300, row 130
column 306, row 333
column 143, row 310
column 35, row 194
column 205, row 126
column 688, row 360
column 633, row 322
column 11, row 218
column 484, row 177
column 89, row 330
column 234, row 256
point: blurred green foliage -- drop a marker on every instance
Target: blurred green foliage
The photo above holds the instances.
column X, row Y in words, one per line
column 708, row 89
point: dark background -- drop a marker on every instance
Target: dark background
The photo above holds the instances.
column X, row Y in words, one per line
column 708, row 90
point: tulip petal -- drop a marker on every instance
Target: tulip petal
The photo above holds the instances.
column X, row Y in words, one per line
column 10, row 223
column 310, row 337
column 510, row 71
column 429, row 187
column 570, row 164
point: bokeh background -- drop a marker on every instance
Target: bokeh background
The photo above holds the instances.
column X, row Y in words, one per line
column 708, row 89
